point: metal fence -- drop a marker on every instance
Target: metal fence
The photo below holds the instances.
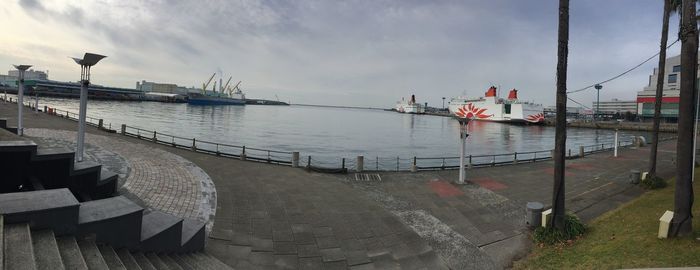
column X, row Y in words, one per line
column 338, row 165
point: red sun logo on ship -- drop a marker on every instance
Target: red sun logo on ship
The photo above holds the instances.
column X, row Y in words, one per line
column 470, row 111
column 535, row 118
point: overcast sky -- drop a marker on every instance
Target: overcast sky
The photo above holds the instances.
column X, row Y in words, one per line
column 358, row 53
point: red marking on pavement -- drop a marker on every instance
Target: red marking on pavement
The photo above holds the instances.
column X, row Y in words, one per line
column 581, row 166
column 444, row 188
column 488, row 183
column 550, row 171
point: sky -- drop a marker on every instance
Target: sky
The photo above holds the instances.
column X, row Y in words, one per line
column 351, row 53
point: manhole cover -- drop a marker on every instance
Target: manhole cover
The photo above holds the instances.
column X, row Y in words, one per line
column 368, row 177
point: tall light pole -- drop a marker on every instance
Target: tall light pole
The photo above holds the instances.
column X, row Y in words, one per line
column 20, row 97
column 597, row 109
column 463, row 116
column 88, row 61
column 443, row 103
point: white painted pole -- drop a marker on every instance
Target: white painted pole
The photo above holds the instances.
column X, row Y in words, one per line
column 20, row 98
column 463, row 141
column 81, row 119
column 616, row 142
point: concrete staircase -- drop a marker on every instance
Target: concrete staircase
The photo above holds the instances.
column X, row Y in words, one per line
column 28, row 167
column 50, row 229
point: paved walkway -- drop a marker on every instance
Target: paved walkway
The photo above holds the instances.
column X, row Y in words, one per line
column 278, row 217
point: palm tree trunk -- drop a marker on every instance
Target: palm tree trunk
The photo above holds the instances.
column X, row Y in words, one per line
column 659, row 90
column 558, row 207
column 682, row 223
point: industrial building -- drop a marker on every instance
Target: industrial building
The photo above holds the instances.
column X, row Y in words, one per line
column 616, row 106
column 671, row 96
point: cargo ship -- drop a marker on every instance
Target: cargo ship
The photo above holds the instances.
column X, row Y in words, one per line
column 409, row 106
column 225, row 96
column 491, row 108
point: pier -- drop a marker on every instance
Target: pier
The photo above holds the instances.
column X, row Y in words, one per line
column 270, row 215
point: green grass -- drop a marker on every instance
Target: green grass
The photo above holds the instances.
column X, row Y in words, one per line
column 624, row 238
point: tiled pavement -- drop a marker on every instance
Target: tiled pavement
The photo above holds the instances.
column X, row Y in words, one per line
column 274, row 217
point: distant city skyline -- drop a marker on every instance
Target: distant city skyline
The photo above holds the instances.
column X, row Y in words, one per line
column 351, row 53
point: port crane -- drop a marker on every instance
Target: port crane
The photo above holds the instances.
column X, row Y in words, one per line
column 225, row 87
column 204, row 85
column 234, row 88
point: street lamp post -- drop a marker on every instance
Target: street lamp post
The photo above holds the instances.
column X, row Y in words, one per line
column 463, row 123
column 597, row 109
column 88, row 61
column 443, row 103
column 20, row 97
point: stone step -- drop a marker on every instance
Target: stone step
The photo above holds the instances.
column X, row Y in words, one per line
column 161, row 232
column 172, row 264
column 86, row 167
column 103, row 217
column 210, row 262
column 92, row 255
column 182, row 262
column 128, row 260
column 70, row 253
column 106, row 185
column 43, row 154
column 55, row 209
column 156, row 262
column 192, row 261
column 193, row 235
column 19, row 253
column 46, row 250
column 143, row 262
column 111, row 257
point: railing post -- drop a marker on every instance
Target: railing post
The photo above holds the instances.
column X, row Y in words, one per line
column 377, row 163
column 45, row 109
column 359, row 166
column 172, row 141
column 155, row 138
column 308, row 162
column 534, row 157
column 138, row 133
column 515, row 158
column 493, row 162
column 100, row 124
column 569, row 152
column 123, row 129
column 443, row 163
column 243, row 155
column 342, row 166
column 397, row 164
column 551, row 152
column 295, row 159
column 194, row 144
column 470, row 166
column 268, row 157
column 581, row 151
column 217, row 150
column 414, row 166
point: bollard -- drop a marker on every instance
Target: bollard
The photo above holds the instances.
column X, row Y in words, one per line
column 534, row 214
column 359, row 167
column 581, row 151
column 295, row 159
column 100, row 124
column 123, row 129
column 414, row 167
column 243, row 157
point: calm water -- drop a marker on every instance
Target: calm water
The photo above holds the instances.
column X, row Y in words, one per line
column 328, row 134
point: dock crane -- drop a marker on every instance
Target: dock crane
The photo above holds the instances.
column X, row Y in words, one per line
column 225, row 87
column 204, row 85
column 234, row 87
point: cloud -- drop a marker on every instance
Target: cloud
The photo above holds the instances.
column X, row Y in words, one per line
column 354, row 52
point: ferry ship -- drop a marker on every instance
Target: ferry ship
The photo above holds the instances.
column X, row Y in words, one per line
column 410, row 106
column 492, row 108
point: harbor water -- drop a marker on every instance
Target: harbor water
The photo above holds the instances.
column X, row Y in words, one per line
column 329, row 134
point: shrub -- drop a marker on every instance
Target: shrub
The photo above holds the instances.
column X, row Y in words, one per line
column 573, row 228
column 653, row 182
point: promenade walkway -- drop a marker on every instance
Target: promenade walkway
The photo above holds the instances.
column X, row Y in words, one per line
column 276, row 217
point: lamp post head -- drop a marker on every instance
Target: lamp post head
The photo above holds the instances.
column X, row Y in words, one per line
column 22, row 67
column 90, row 59
column 598, row 87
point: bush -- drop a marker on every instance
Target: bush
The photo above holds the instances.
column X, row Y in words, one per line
column 573, row 228
column 653, row 182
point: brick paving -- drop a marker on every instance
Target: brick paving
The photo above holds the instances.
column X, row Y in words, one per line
column 276, row 217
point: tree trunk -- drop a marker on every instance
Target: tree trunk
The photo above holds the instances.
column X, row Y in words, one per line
column 659, row 90
column 558, row 207
column 682, row 223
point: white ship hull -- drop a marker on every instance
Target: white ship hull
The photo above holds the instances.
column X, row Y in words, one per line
column 409, row 108
column 488, row 109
